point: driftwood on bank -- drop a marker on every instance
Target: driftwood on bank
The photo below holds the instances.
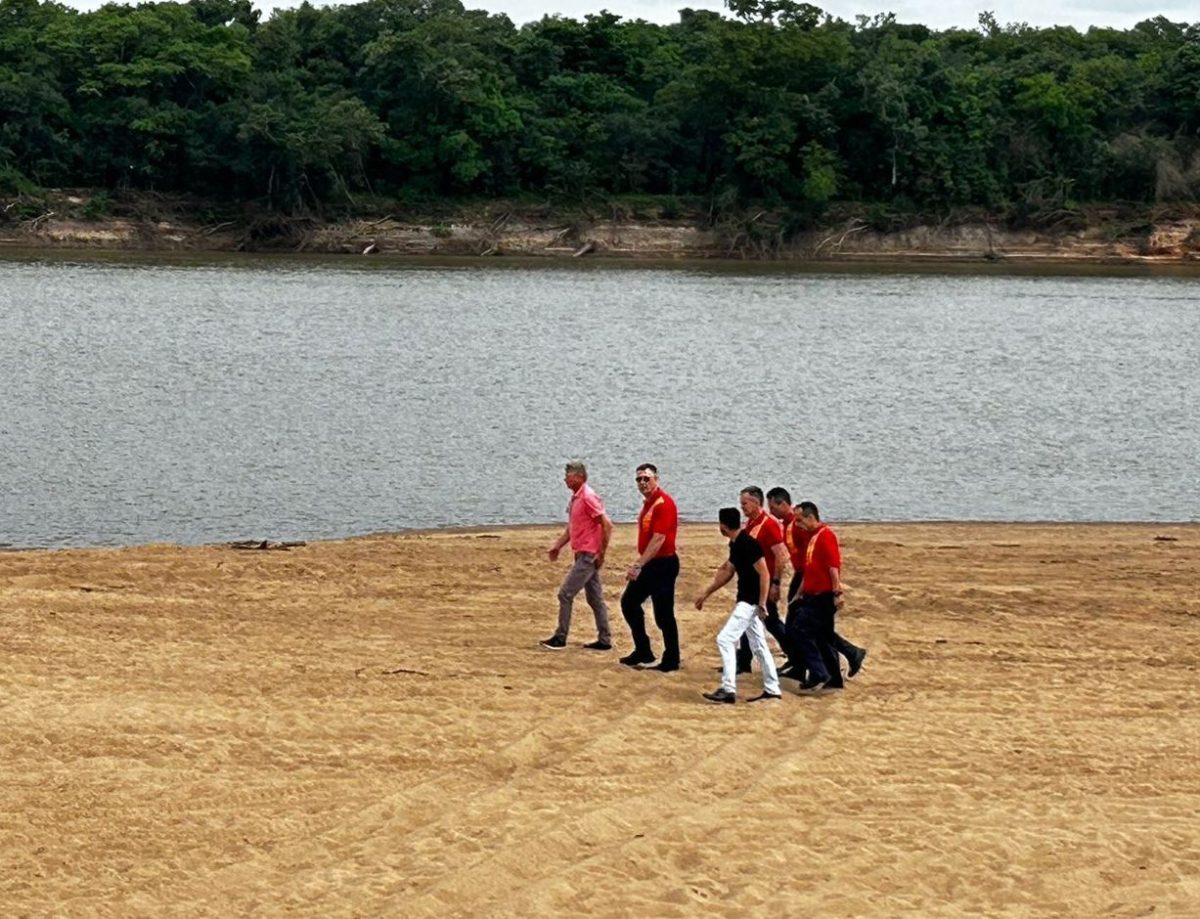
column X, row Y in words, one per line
column 38, row 221
column 854, row 226
column 560, row 236
column 265, row 544
column 217, row 227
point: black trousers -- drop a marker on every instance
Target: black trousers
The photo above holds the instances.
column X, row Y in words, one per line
column 810, row 628
column 846, row 649
column 656, row 583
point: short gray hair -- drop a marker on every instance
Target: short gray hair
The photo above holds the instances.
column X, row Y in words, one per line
column 577, row 467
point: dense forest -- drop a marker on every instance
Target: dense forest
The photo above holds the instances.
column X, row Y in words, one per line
column 418, row 100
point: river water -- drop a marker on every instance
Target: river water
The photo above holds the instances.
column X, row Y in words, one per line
column 312, row 398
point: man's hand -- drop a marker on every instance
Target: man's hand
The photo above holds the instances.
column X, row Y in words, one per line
column 632, row 573
column 700, row 598
column 773, row 593
column 838, row 601
column 552, row 553
column 762, row 612
column 599, row 562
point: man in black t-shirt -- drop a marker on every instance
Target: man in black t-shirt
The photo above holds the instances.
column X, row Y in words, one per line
column 746, row 560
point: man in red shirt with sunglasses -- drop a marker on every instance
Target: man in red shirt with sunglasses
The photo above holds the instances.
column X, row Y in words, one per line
column 652, row 576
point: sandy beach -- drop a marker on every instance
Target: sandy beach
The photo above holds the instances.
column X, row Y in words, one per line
column 368, row 727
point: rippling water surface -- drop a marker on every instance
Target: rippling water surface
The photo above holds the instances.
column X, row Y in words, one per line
column 308, row 399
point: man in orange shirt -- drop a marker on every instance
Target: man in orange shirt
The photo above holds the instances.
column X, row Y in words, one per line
column 652, row 575
column 810, row 623
column 795, row 537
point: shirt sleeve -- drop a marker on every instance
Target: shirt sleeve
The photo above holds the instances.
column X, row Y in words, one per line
column 772, row 534
column 594, row 506
column 831, row 553
column 663, row 518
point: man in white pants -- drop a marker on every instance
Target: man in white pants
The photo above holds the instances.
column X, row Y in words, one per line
column 747, row 561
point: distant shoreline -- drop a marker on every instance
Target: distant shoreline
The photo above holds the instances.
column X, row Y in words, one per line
column 1096, row 235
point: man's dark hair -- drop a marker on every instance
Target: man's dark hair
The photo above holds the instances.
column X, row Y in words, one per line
column 645, row 466
column 730, row 517
column 808, row 509
column 754, row 492
column 779, row 494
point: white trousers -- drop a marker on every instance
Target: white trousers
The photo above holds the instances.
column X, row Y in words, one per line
column 744, row 620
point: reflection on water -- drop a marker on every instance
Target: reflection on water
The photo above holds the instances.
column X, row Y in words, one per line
column 293, row 398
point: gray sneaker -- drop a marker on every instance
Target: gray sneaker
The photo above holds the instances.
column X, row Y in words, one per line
column 554, row 643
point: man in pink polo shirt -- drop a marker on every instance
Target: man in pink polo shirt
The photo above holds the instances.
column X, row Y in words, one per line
column 588, row 530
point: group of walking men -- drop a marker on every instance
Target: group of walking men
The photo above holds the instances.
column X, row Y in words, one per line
column 773, row 536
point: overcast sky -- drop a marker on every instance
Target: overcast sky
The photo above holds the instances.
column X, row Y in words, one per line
column 940, row 14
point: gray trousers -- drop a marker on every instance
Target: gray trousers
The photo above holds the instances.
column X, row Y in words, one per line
column 583, row 576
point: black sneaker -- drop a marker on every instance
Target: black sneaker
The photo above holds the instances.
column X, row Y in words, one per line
column 764, row 696
column 720, row 696
column 554, row 643
column 856, row 661
column 598, row 645
column 635, row 659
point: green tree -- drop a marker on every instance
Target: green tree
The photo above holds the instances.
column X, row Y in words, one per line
column 36, row 145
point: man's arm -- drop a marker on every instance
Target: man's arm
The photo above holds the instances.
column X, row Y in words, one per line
column 606, row 530
column 832, row 556
column 562, row 540
column 720, row 579
column 764, row 586
column 652, row 548
column 781, row 564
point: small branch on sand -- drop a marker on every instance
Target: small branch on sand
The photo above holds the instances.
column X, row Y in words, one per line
column 587, row 247
column 403, row 670
column 265, row 544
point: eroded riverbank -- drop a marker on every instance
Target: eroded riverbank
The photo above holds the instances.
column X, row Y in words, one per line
column 1097, row 235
